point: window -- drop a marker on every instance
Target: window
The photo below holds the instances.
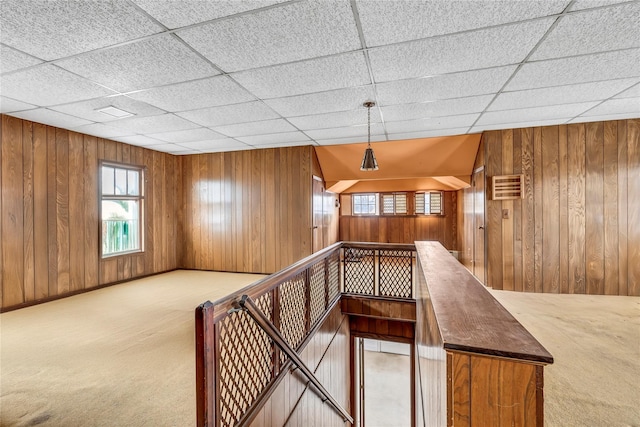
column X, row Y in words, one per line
column 394, row 204
column 429, row 203
column 121, row 208
column 365, row 204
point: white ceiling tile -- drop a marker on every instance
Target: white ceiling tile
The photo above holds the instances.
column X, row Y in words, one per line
column 621, row 116
column 292, row 32
column 210, row 92
column 334, row 120
column 152, row 62
column 435, row 123
column 11, row 59
column 218, row 145
column 569, row 94
column 167, row 148
column 89, row 109
column 153, row 124
column 256, row 128
column 517, row 125
column 186, row 152
column 230, row 114
column 535, row 114
column 345, row 132
column 588, row 4
column 56, row 29
column 459, row 52
column 51, row 118
column 632, row 92
column 316, row 75
column 275, row 138
column 350, row 140
column 428, row 134
column 101, row 130
column 597, row 30
column 447, row 107
column 180, row 13
column 49, row 85
column 285, row 144
column 616, row 106
column 322, row 102
column 190, row 135
column 385, row 22
column 580, row 69
column 444, row 87
column 139, row 140
column 8, row 105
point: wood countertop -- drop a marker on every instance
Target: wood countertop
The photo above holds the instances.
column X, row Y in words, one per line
column 469, row 318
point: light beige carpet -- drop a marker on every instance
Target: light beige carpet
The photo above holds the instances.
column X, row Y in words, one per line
column 118, row 356
column 124, row 355
column 595, row 342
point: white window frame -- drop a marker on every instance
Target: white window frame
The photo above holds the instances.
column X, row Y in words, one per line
column 122, row 197
column 375, row 202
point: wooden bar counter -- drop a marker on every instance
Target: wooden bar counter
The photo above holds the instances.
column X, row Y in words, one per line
column 472, row 350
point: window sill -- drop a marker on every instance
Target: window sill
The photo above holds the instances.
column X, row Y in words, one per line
column 119, row 254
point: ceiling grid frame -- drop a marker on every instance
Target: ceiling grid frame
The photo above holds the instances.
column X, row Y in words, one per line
column 429, row 127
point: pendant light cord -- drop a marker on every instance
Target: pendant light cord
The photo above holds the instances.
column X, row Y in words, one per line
column 369, row 126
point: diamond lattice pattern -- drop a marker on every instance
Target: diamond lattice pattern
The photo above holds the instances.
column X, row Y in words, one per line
column 359, row 271
column 245, row 362
column 395, row 273
column 317, row 292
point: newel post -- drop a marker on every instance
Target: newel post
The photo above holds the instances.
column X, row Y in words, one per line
column 205, row 365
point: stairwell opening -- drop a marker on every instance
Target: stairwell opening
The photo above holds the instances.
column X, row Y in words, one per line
column 383, row 383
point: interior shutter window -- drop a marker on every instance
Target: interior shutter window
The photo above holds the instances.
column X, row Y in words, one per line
column 420, row 203
column 401, row 204
column 429, row 203
column 435, row 203
column 387, row 204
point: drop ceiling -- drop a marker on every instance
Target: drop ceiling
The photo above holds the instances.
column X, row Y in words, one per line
column 207, row 76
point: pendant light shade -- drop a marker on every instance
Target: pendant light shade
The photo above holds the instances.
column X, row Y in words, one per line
column 369, row 162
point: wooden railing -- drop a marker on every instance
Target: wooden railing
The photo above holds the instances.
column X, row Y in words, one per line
column 476, row 364
column 378, row 269
column 236, row 361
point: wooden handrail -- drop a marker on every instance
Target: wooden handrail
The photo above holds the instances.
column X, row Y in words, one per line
column 254, row 290
column 469, row 318
column 223, row 305
column 384, row 246
column 246, row 303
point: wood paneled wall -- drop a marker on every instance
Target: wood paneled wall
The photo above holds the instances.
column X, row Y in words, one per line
column 402, row 229
column 49, row 206
column 247, row 211
column 488, row 391
column 430, row 360
column 577, row 230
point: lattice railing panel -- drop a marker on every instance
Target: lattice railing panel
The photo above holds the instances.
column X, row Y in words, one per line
column 395, row 278
column 245, row 361
column 292, row 310
column 359, row 271
column 333, row 269
column 317, row 294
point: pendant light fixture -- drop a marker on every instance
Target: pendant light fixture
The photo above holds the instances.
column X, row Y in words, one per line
column 369, row 162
